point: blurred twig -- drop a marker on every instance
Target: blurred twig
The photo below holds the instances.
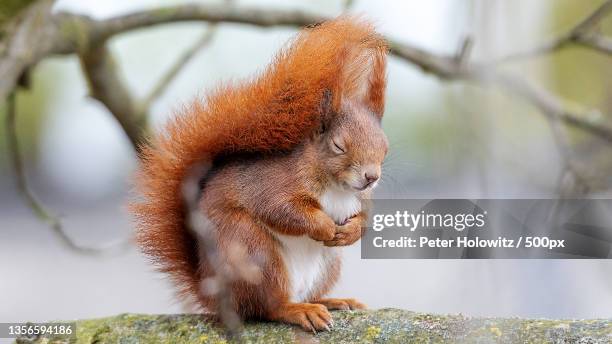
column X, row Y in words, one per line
column 15, row 155
column 449, row 67
column 37, row 207
column 583, row 34
column 178, row 65
column 464, row 52
column 572, row 181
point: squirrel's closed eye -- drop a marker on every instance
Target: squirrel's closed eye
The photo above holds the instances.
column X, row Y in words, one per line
column 337, row 148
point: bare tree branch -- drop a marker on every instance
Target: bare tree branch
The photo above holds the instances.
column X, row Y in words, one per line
column 580, row 34
column 447, row 67
column 596, row 42
column 550, row 106
column 178, row 65
column 106, row 85
column 101, row 30
column 464, row 52
column 594, row 18
column 15, row 155
column 32, row 201
column 571, row 182
column 27, row 38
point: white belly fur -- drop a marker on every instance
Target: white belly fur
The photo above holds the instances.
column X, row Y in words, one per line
column 305, row 259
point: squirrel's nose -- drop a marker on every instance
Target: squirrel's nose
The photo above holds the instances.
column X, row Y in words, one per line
column 371, row 173
column 371, row 178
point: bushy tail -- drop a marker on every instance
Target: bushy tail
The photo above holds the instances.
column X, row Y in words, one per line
column 272, row 112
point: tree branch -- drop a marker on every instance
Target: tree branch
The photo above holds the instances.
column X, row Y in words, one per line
column 15, row 156
column 572, row 182
column 27, row 38
column 596, row 42
column 448, row 67
column 550, row 106
column 465, row 50
column 32, row 201
column 594, row 18
column 178, row 65
column 580, row 34
column 101, row 30
column 106, row 85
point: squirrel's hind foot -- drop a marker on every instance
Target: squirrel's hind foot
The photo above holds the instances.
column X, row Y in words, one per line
column 309, row 316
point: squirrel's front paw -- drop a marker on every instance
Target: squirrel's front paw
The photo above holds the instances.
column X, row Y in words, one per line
column 347, row 233
column 324, row 228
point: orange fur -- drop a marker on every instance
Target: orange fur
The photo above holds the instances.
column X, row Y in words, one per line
column 271, row 114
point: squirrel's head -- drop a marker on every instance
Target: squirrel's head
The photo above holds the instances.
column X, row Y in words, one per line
column 351, row 142
column 352, row 147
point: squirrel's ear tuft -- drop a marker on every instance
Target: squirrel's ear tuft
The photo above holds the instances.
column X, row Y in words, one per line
column 364, row 76
column 377, row 82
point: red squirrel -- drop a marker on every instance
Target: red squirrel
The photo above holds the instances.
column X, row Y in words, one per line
column 291, row 156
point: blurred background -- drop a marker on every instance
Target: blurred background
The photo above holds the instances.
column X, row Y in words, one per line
column 448, row 139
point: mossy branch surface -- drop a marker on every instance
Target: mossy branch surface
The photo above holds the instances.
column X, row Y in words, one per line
column 370, row 326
